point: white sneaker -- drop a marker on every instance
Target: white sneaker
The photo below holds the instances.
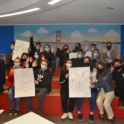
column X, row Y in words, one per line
column 70, row 116
column 64, row 116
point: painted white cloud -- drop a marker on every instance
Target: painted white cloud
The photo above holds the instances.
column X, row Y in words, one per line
column 76, row 34
column 42, row 30
column 92, row 30
column 111, row 33
column 26, row 34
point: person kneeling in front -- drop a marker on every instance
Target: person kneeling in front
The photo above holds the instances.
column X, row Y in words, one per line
column 64, row 92
column 43, row 80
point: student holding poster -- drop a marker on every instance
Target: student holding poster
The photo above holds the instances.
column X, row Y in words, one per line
column 43, row 80
column 87, row 63
column 14, row 111
column 64, row 92
column 104, row 82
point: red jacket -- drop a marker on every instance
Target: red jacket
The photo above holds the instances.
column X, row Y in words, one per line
column 11, row 75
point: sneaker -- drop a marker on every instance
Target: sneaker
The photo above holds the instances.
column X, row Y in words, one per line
column 64, row 116
column 102, row 117
column 80, row 117
column 112, row 120
column 52, row 75
column 12, row 111
column 70, row 116
column 17, row 111
column 91, row 118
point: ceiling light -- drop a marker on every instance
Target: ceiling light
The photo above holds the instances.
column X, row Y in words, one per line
column 19, row 13
column 54, row 2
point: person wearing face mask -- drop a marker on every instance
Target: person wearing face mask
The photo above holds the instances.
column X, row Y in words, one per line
column 10, row 61
column 93, row 47
column 64, row 91
column 106, row 93
column 24, row 57
column 96, row 57
column 43, row 80
column 87, row 63
column 77, row 62
column 108, row 55
column 118, row 77
column 77, row 47
column 49, row 55
column 14, row 110
column 62, row 54
column 33, row 48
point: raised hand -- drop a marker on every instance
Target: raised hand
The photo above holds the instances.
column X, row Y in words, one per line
column 111, row 68
column 30, row 59
column 68, row 51
column 34, row 64
column 26, row 64
column 52, row 50
column 103, row 49
column 32, row 34
column 41, row 50
column 86, row 47
column 116, row 49
column 58, row 46
column 66, row 76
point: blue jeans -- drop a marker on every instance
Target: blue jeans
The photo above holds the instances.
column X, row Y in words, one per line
column 92, row 101
column 11, row 98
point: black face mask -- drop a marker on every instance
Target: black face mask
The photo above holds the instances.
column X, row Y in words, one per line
column 100, row 70
column 77, row 47
column 23, row 60
column 65, row 49
column 117, row 68
column 108, row 47
column 86, row 64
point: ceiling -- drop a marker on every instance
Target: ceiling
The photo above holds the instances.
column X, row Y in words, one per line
column 66, row 11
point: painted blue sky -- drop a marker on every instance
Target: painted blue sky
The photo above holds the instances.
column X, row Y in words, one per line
column 76, row 33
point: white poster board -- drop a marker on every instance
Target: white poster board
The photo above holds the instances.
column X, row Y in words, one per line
column 30, row 118
column 72, row 55
column 79, row 81
column 20, row 47
column 24, row 82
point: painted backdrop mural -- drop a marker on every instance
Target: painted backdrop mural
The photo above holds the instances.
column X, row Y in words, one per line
column 70, row 34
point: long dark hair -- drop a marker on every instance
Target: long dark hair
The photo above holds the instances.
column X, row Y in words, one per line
column 64, row 70
column 98, row 74
column 91, row 64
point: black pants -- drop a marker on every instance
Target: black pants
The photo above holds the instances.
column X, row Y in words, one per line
column 120, row 93
column 53, row 65
column 64, row 101
column 42, row 92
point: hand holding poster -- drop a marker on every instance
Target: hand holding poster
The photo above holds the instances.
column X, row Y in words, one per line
column 79, row 79
column 20, row 47
column 24, row 82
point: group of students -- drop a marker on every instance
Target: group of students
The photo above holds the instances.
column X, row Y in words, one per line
column 104, row 65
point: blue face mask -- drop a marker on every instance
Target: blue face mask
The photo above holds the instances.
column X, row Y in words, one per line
column 95, row 54
column 12, row 47
column 36, row 56
column 43, row 67
column 16, row 64
column 37, row 47
column 80, row 56
column 47, row 49
column 92, row 49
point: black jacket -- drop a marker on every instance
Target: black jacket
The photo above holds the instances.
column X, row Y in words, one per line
column 44, row 78
column 49, row 56
column 119, row 78
column 33, row 49
column 62, row 56
column 63, row 81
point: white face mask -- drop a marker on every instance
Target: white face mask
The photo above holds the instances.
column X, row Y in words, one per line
column 69, row 65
